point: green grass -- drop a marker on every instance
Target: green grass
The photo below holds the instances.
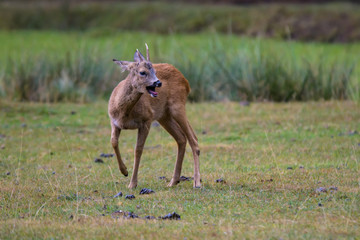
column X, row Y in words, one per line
column 48, row 173
column 52, row 66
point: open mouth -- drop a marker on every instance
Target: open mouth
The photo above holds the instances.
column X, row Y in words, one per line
column 151, row 88
column 151, row 91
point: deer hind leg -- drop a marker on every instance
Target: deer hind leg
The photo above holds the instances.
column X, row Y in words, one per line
column 173, row 128
column 115, row 133
column 192, row 130
column 141, row 138
column 180, row 117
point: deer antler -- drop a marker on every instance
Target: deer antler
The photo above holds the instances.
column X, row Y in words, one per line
column 139, row 55
column 147, row 53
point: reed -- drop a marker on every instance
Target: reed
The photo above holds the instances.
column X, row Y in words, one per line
column 52, row 67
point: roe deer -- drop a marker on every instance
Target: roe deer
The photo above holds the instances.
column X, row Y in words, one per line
column 134, row 104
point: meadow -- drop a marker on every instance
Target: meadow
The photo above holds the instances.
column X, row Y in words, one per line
column 50, row 66
column 275, row 159
column 277, row 122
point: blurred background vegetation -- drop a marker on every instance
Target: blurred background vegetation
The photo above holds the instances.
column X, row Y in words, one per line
column 229, row 50
column 333, row 22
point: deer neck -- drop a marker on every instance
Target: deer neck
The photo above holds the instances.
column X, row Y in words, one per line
column 127, row 98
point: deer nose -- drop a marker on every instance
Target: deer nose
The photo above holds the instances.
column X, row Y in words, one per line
column 158, row 83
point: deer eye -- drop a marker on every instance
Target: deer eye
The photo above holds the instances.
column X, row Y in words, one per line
column 143, row 73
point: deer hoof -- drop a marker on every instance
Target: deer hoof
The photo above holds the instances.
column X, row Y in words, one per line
column 197, row 184
column 173, row 182
column 125, row 172
column 132, row 185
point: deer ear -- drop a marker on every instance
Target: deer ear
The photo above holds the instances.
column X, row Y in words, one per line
column 123, row 64
column 138, row 57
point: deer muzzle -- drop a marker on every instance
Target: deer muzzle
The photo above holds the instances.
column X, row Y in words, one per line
column 158, row 83
column 151, row 88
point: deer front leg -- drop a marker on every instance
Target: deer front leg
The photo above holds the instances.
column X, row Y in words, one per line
column 115, row 133
column 141, row 138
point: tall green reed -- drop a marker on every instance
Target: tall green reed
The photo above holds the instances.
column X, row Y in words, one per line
column 217, row 68
column 77, row 77
column 223, row 73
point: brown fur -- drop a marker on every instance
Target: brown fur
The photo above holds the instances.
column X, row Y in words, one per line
column 132, row 108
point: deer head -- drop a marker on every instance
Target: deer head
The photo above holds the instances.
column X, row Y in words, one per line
column 142, row 74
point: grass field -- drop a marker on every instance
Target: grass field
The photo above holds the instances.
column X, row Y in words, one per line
column 273, row 157
column 54, row 66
